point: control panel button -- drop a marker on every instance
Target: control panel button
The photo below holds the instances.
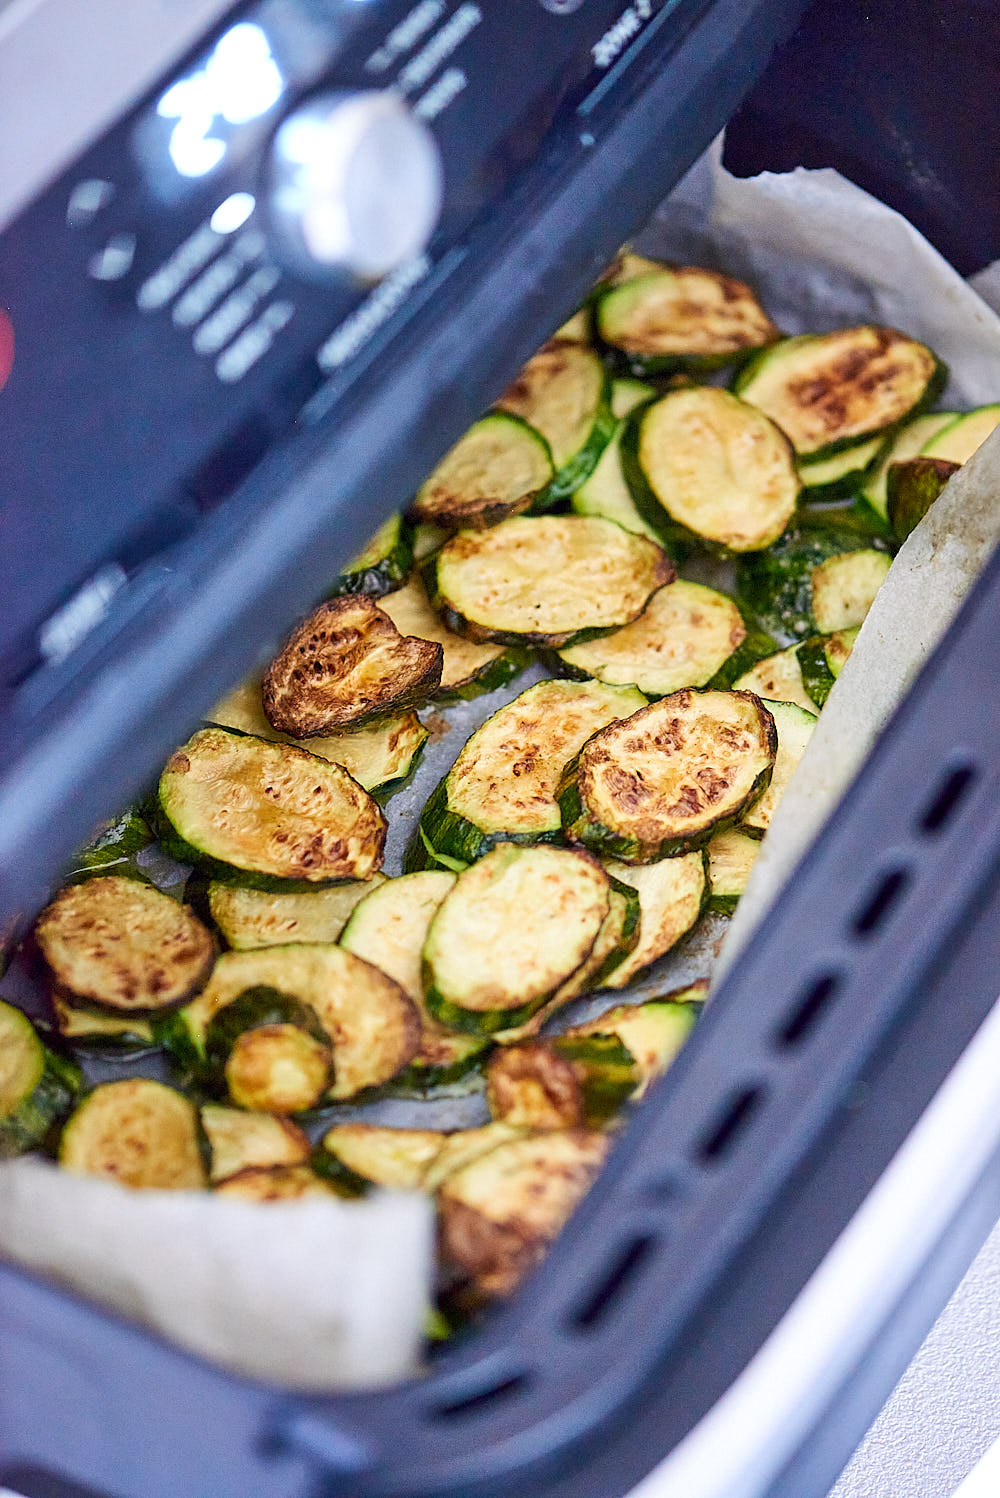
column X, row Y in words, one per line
column 356, row 185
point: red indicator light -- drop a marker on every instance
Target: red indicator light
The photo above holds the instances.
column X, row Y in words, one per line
column 6, row 347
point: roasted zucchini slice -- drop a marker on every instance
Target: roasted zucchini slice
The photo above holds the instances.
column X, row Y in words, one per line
column 378, row 755
column 605, row 493
column 794, row 727
column 561, row 1083
column 121, row 943
column 278, row 1183
column 702, row 462
column 911, row 488
column 37, row 1087
column 683, row 638
column 389, row 929
column 905, row 442
column 384, row 564
column 546, row 580
column 240, row 1141
column 653, row 1033
column 843, row 473
column 89, row 1028
column 731, row 857
column 575, row 329
column 512, row 929
column 777, row 677
column 683, row 318
column 138, row 1133
column 272, row 1049
column 671, row 896
column 821, row 660
column 844, row 587
column 371, row 1022
column 617, row 938
column 262, row 918
column 267, row 814
column 499, row 1213
column 396, row 1158
column 668, row 778
column 776, row 586
column 501, row 467
column 828, row 390
column 563, row 393
column 502, row 787
column 345, row 664
column 467, row 668
column 462, row 1146
column 962, row 436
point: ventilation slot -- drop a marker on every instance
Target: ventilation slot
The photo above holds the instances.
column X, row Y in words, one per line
column 612, row 1287
column 731, row 1125
column 947, row 798
column 809, row 1008
column 485, row 1398
column 879, row 904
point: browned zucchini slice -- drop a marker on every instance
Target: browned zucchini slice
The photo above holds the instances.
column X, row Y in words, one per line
column 468, row 668
column 277, row 1183
column 396, row 1158
column 666, row 779
column 263, row 918
column 278, row 1069
column 263, row 813
column 777, row 677
column 547, row 579
column 565, row 1082
column 671, row 895
column 844, row 588
column 794, row 727
column 653, row 1032
column 344, row 664
column 138, row 1133
column 499, row 1213
column 239, row 1140
column 92, row 1028
column 498, row 469
column 121, row 943
column 687, row 318
column 563, row 393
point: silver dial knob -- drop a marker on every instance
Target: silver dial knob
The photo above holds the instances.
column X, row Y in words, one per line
column 356, row 184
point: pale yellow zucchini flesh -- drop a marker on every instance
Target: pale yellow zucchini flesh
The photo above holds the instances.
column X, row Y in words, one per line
column 136, row 1132
column 276, row 1183
column 278, row 1069
column 779, row 678
column 497, row 469
column 239, row 1140
column 794, row 727
column 844, row 588
column 558, row 392
column 671, row 895
column 263, row 918
column 731, row 857
column 463, row 660
column 397, row 1158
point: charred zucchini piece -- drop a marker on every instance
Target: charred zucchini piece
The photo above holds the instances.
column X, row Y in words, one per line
column 671, row 895
column 502, row 787
column 911, row 488
column 844, row 587
column 117, row 842
column 546, row 580
column 776, row 586
column 384, row 564
column 777, row 677
column 121, row 943
column 561, row 1083
column 731, row 856
column 345, row 664
column 372, row 1024
column 605, row 493
column 389, row 929
column 467, row 668
column 512, row 929
column 962, row 436
column 665, row 780
column 91, row 1029
column 37, row 1087
column 501, row 467
column 844, row 472
column 261, row 918
column 653, row 1033
column 905, row 442
column 821, row 660
column 278, row 1183
column 240, row 1141
column 397, row 1158
column 499, row 1213
column 828, row 390
column 378, row 755
column 269, row 815
column 702, row 463
column 794, row 727
column 683, row 638
column 138, row 1133
column 688, row 318
column 563, row 393
column 272, row 1049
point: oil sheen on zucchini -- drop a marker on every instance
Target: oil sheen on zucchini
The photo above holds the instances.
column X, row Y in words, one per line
column 665, row 780
column 499, row 468
column 671, row 895
column 467, row 668
column 502, row 786
column 37, row 1087
column 545, row 580
column 385, row 563
column 267, row 814
column 513, row 928
column 794, row 727
column 263, row 918
column 138, row 1133
column 563, row 393
column 687, row 318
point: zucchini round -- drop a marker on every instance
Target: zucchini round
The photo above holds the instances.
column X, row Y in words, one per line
column 513, row 928
column 275, row 1054
column 268, row 814
column 467, row 668
column 278, row 1183
column 777, row 677
column 101, row 1031
column 905, row 442
column 384, row 564
column 844, row 587
column 563, row 393
column 138, row 1133
column 546, row 580
column 344, row 664
column 665, row 780
column 776, row 586
column 687, row 318
column 120, row 943
column 499, row 468
column 821, row 660
column 239, row 1140
column 956, row 441
column 37, row 1087
column 396, row 1158
column 794, row 727
column 560, row 1083
column 671, row 896
column 263, row 918
column 731, row 857
column 653, row 1033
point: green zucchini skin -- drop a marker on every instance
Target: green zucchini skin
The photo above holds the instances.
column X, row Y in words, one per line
column 775, row 586
column 498, row 673
column 579, row 468
column 821, row 660
column 451, row 834
column 49, row 1087
column 419, row 1080
column 114, row 848
column 911, row 488
column 329, row 1168
column 261, row 1005
column 384, row 564
column 756, row 646
column 846, row 473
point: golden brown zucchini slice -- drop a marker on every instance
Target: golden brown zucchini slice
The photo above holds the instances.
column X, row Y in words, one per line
column 702, row 462
column 384, row 1156
column 383, row 564
column 794, row 728
column 138, row 1133
column 344, row 664
column 499, row 468
column 467, row 668
column 121, row 943
column 731, row 857
column 274, row 1053
column 499, row 1213
column 277, row 1183
column 687, row 318
column 266, row 814
column 654, row 1032
column 671, row 895
column 565, row 1082
column 683, row 637
column 777, row 677
column 605, row 493
column 100, row 1030
column 828, row 390
column 563, row 393
column 239, row 1140
column 668, row 778
column 263, row 918
column 546, row 580
column 512, row 929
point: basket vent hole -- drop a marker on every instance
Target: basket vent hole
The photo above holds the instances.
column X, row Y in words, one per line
column 947, row 798
column 880, row 902
column 809, row 1008
column 731, row 1125
column 609, row 1290
column 484, row 1399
